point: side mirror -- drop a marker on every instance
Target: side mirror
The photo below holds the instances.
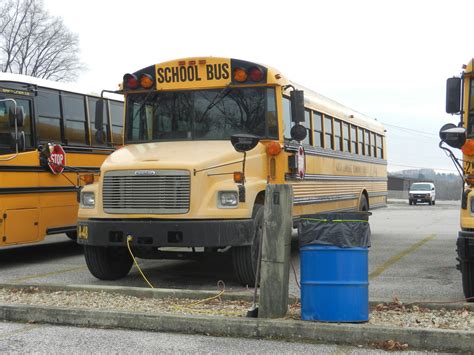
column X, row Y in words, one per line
column 453, row 95
column 99, row 114
column 244, row 142
column 453, row 135
column 297, row 105
column 19, row 116
column 432, row 188
column 18, row 141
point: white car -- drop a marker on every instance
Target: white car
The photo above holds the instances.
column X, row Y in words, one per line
column 422, row 192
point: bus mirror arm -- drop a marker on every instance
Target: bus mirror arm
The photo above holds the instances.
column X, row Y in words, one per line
column 455, row 160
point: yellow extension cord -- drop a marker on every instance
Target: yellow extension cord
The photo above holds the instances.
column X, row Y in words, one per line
column 220, row 283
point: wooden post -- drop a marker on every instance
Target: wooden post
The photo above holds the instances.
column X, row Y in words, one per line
column 276, row 250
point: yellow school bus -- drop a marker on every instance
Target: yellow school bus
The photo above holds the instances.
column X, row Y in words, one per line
column 460, row 101
column 38, row 197
column 179, row 182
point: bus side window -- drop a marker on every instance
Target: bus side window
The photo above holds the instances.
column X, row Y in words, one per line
column 75, row 123
column 379, row 147
column 116, row 113
column 307, row 125
column 372, row 144
column 354, row 146
column 318, row 129
column 360, row 140
column 49, row 116
column 328, row 141
column 366, row 143
column 337, row 135
column 287, row 123
column 346, row 138
column 98, row 139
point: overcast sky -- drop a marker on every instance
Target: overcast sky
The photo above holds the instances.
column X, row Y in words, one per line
column 387, row 59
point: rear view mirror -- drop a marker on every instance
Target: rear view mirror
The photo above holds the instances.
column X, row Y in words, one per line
column 19, row 116
column 297, row 105
column 453, row 135
column 244, row 142
column 453, row 95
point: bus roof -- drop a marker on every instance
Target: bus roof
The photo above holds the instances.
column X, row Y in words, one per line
column 334, row 109
column 49, row 84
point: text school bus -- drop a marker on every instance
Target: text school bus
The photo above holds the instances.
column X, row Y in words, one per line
column 49, row 143
column 178, row 180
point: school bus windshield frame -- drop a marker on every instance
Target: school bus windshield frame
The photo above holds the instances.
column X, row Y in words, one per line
column 205, row 114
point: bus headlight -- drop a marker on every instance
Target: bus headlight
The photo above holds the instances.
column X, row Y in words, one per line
column 227, row 199
column 87, row 199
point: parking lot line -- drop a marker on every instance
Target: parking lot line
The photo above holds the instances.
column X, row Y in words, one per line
column 36, row 276
column 398, row 256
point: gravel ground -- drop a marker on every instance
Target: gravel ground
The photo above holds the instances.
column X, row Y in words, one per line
column 386, row 314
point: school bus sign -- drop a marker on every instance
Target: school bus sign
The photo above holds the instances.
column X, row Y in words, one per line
column 212, row 72
column 196, row 73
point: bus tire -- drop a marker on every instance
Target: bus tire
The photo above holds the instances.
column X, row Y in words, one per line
column 245, row 258
column 467, row 272
column 108, row 263
column 363, row 204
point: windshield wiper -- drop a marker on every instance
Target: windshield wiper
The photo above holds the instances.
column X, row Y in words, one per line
column 219, row 96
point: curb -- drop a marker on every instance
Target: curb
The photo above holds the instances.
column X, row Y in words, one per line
column 198, row 294
column 284, row 329
column 290, row 330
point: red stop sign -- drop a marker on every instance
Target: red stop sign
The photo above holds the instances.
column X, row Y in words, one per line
column 57, row 159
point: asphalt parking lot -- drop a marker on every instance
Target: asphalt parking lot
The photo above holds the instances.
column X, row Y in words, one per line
column 412, row 258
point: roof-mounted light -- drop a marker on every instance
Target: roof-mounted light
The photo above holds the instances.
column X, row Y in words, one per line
column 255, row 74
column 146, row 81
column 240, row 75
column 130, row 81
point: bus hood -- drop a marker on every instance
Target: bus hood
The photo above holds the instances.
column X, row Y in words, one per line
column 178, row 155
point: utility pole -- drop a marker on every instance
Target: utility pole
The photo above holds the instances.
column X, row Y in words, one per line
column 276, row 250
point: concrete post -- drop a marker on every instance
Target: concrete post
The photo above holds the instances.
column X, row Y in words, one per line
column 276, row 250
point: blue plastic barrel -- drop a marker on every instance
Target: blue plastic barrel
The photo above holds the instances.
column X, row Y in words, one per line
column 334, row 284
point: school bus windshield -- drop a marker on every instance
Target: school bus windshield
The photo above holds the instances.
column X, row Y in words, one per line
column 201, row 114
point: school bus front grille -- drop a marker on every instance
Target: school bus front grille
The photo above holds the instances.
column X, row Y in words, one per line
column 147, row 191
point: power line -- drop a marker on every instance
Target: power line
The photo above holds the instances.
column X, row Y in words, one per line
column 410, row 130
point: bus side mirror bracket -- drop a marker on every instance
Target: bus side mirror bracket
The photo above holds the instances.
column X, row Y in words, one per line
column 453, row 95
column 242, row 143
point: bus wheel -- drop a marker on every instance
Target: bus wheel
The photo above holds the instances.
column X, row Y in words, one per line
column 363, row 205
column 245, row 257
column 108, row 263
column 467, row 271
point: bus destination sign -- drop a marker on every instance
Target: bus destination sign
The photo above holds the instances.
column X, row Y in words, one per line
column 212, row 72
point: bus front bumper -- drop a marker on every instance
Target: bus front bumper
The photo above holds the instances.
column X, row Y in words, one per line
column 166, row 233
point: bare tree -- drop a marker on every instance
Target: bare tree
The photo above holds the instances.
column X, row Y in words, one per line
column 33, row 42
